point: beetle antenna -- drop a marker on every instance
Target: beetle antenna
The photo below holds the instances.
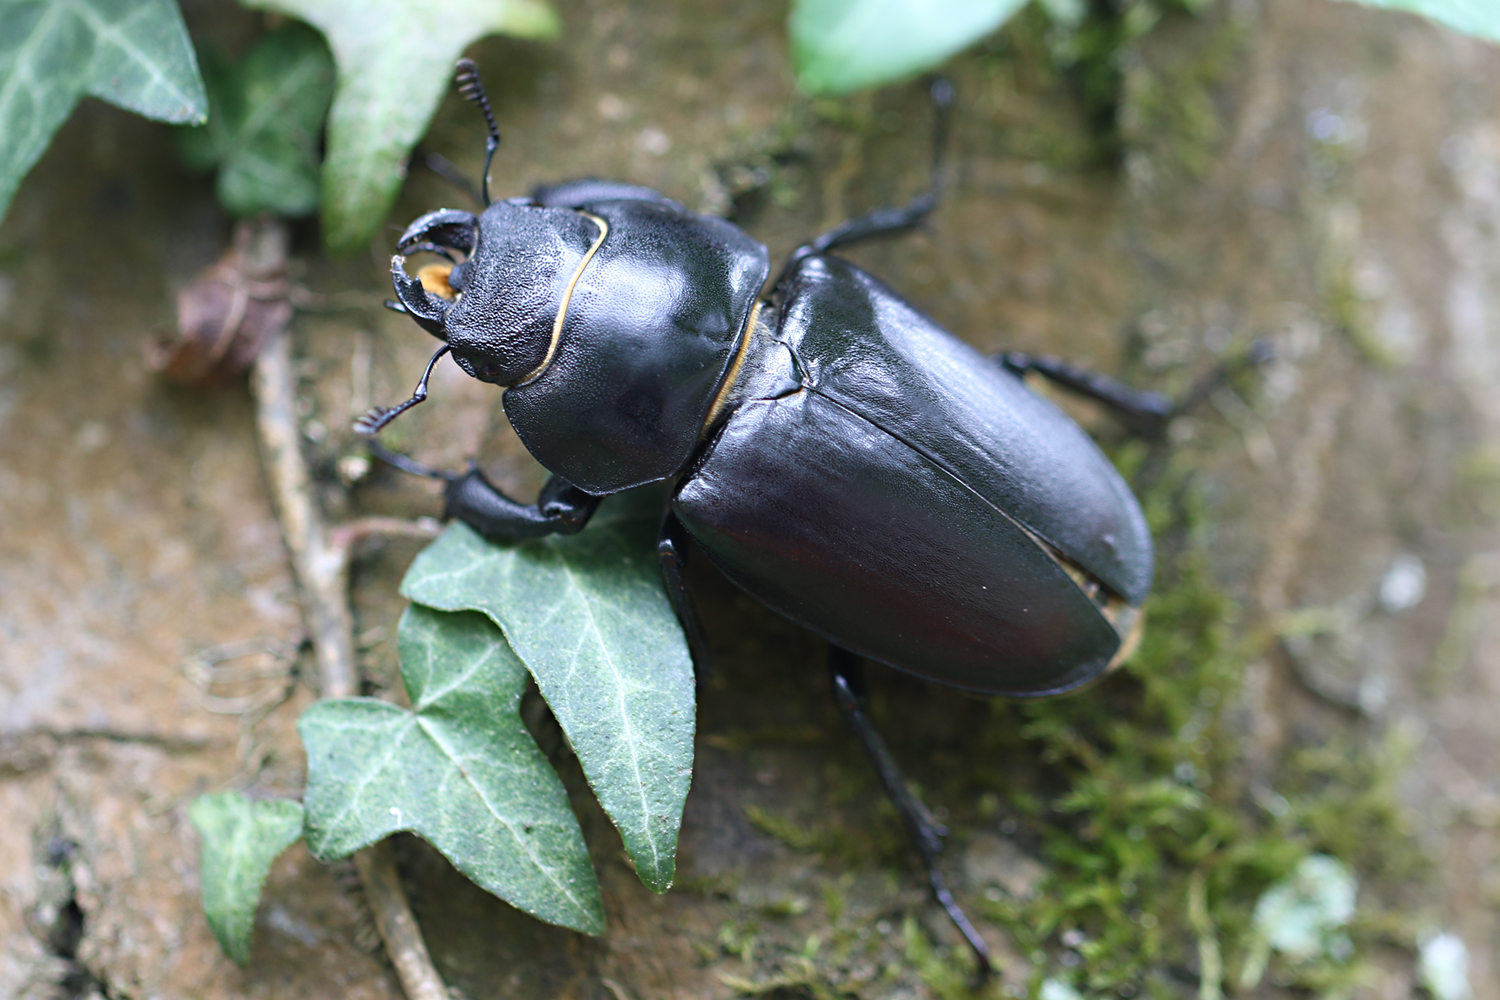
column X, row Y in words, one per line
column 472, row 89
column 378, row 416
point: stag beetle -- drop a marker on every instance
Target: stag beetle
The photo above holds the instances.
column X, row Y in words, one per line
column 834, row 452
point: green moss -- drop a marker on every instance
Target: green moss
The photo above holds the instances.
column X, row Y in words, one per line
column 1139, row 807
column 1095, row 47
column 832, row 840
column 1348, row 310
column 1136, row 799
column 1168, row 110
column 947, row 976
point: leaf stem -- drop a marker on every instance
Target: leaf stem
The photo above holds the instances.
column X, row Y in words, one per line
column 320, row 560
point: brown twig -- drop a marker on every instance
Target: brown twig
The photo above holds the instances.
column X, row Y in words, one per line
column 322, row 570
column 320, row 560
column 349, row 534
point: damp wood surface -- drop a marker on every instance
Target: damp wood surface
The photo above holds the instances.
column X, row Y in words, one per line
column 1310, row 172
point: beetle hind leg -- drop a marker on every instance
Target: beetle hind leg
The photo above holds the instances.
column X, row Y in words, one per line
column 1145, row 412
column 926, row 833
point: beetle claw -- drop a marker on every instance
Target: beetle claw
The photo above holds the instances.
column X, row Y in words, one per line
column 430, row 311
column 447, row 227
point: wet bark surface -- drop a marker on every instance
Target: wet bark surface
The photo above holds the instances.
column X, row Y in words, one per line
column 1308, row 172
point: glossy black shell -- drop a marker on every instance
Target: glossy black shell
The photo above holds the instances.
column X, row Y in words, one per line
column 850, row 464
column 888, row 487
column 650, row 332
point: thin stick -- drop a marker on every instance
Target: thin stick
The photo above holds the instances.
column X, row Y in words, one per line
column 321, row 565
column 321, row 570
column 397, row 924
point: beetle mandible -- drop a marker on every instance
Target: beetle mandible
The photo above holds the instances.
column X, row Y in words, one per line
column 834, row 452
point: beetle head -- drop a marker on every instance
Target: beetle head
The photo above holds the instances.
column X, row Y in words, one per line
column 499, row 298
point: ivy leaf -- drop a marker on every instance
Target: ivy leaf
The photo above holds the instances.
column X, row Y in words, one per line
column 265, row 116
column 132, row 53
column 1480, row 18
column 240, row 840
column 588, row 614
column 395, row 59
column 839, row 46
column 458, row 768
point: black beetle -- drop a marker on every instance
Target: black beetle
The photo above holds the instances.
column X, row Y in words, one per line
column 833, row 451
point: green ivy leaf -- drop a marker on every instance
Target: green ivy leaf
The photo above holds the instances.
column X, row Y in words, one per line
column 458, row 768
column 395, row 59
column 1480, row 18
column 265, row 116
column 588, row 614
column 240, row 840
column 132, row 53
column 840, row 46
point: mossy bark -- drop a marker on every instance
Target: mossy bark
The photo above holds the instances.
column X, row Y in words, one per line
column 1312, row 173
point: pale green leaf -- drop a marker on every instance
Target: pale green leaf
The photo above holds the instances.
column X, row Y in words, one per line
column 1303, row 917
column 589, row 616
column 240, row 840
column 132, row 53
column 1444, row 967
column 395, row 59
column 458, row 769
column 1480, row 18
column 840, row 46
column 265, row 117
column 1300, row 915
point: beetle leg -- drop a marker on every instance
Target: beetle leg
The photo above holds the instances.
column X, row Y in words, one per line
column 885, row 219
column 444, row 168
column 925, row 832
column 671, row 552
column 448, row 227
column 1148, row 412
column 561, row 509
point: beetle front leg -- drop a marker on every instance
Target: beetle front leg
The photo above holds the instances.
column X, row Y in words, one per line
column 926, row 833
column 560, row 509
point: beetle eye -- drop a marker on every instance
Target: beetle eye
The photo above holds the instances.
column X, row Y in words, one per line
column 456, row 276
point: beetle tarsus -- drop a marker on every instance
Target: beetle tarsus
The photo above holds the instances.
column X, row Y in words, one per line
column 1260, row 351
column 925, row 832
